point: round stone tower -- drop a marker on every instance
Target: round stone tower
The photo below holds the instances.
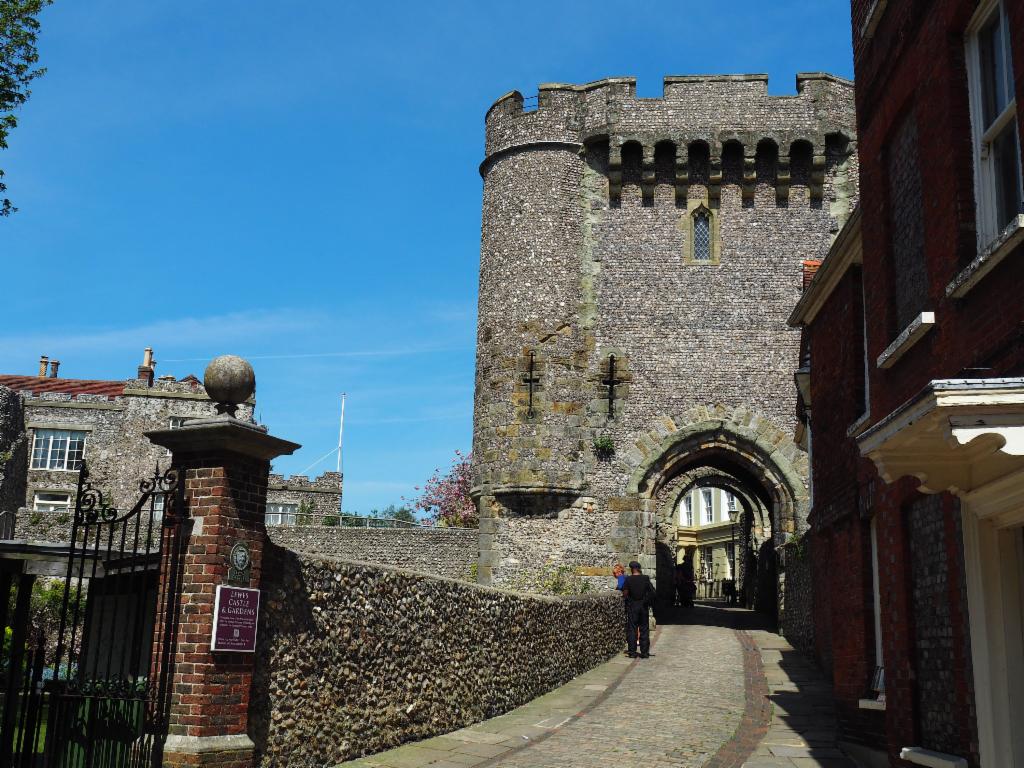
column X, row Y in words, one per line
column 638, row 260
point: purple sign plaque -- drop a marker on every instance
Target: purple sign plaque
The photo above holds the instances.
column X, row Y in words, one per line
column 234, row 619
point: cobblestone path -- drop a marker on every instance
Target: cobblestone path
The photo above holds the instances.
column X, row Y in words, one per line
column 674, row 709
column 704, row 698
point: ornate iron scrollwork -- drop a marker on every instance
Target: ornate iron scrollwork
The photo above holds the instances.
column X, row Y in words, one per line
column 160, row 482
column 90, row 505
column 164, row 483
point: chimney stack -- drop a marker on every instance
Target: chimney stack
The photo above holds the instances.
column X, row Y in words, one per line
column 43, row 361
column 146, row 370
column 54, row 365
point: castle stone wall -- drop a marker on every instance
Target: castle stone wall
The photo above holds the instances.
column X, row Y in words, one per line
column 409, row 656
column 586, row 253
column 320, row 496
column 449, row 552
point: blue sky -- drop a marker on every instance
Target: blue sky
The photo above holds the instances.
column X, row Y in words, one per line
column 297, row 183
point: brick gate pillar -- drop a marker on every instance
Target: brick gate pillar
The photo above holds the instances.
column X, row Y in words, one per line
column 224, row 463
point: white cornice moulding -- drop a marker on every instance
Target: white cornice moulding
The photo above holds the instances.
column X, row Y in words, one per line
column 874, row 704
column 873, row 16
column 930, row 758
column 961, row 436
column 913, row 333
column 845, row 252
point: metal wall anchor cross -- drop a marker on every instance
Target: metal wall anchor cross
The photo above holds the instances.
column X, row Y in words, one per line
column 531, row 380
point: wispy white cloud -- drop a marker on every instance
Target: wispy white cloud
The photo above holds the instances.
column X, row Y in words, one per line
column 412, row 419
column 175, row 333
column 455, row 385
column 379, row 485
column 461, row 312
column 355, row 353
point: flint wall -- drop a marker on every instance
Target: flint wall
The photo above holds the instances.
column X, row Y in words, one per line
column 356, row 658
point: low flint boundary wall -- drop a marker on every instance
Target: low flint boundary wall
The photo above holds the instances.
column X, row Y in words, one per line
column 354, row 658
column 447, row 552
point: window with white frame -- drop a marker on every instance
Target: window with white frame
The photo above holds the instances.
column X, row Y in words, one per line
column 60, row 449
column 175, row 422
column 707, row 497
column 159, row 504
column 51, row 501
column 707, row 558
column 281, row 514
column 876, row 593
column 686, row 512
column 994, row 121
column 730, row 501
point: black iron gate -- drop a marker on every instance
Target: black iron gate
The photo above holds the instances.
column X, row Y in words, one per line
column 94, row 691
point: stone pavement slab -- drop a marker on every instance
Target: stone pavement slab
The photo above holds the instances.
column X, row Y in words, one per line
column 802, row 731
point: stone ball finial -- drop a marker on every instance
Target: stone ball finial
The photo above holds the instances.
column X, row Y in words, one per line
column 229, row 381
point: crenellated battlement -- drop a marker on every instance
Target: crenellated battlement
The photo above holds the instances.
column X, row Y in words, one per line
column 699, row 120
column 328, row 482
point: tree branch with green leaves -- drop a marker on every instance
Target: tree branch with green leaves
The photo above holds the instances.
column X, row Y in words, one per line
column 19, row 27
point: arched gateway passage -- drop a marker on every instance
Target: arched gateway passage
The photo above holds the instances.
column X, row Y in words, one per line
column 742, row 454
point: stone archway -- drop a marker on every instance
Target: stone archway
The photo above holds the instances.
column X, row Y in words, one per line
column 736, row 448
column 752, row 526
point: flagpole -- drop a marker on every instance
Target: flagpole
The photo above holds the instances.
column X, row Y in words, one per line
column 341, row 430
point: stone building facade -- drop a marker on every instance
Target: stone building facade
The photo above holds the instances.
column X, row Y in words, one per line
column 706, row 535
column 64, row 421
column 913, row 394
column 297, row 500
column 639, row 258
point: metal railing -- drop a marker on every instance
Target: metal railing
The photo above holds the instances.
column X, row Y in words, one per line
column 321, row 520
column 379, row 522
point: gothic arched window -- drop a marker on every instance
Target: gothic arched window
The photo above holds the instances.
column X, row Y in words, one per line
column 701, row 234
column 700, row 230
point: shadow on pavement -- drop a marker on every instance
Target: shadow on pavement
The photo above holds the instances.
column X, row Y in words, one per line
column 714, row 613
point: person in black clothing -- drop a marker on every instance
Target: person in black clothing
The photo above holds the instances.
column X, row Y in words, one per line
column 639, row 594
column 686, row 586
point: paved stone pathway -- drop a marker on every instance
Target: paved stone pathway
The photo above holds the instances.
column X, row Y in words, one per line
column 802, row 729
column 717, row 692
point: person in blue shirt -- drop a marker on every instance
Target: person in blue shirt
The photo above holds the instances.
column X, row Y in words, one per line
column 619, row 572
column 620, row 575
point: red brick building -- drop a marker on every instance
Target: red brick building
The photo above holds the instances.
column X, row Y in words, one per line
column 913, row 393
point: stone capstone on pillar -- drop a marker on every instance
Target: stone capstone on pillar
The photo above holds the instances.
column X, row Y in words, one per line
column 225, row 463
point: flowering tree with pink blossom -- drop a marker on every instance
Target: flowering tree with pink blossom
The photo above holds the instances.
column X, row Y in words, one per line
column 445, row 498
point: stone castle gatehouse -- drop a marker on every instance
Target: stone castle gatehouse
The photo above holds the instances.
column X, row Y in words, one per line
column 639, row 259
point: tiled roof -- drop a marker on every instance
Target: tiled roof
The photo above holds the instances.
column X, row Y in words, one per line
column 73, row 387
